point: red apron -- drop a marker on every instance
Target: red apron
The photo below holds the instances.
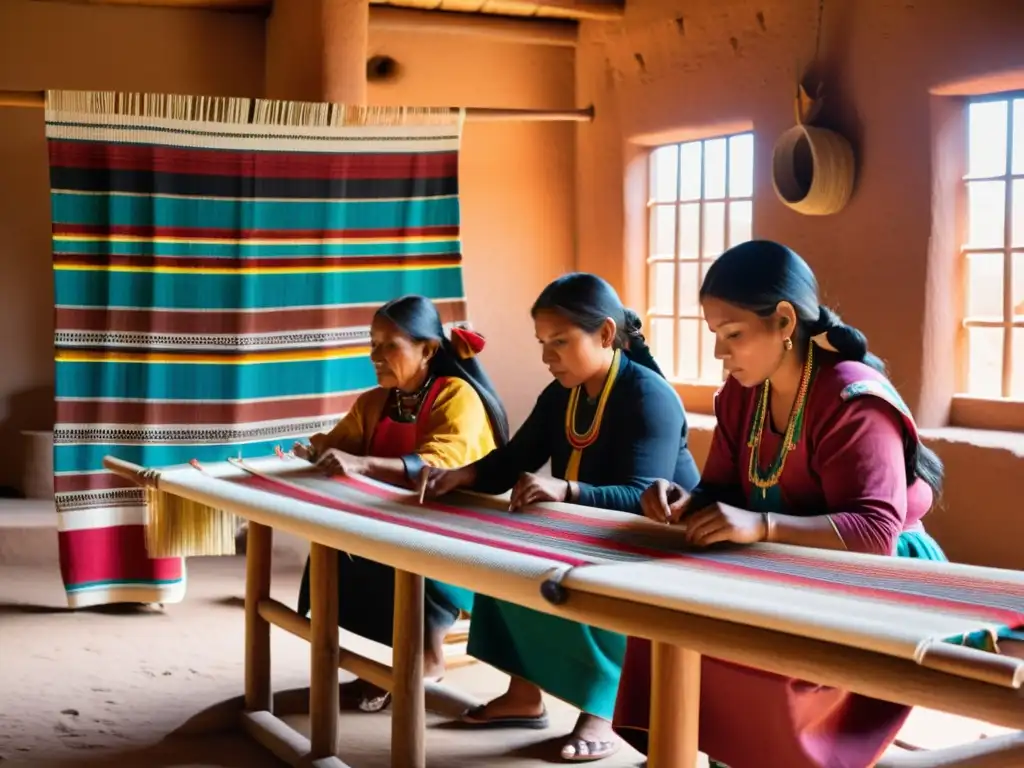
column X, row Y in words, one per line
column 395, row 439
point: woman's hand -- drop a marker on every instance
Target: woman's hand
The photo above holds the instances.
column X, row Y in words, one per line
column 317, row 443
column 437, row 482
column 335, row 462
column 532, row 489
column 719, row 522
column 664, row 502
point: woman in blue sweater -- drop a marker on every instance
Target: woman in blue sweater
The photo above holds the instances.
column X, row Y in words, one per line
column 610, row 425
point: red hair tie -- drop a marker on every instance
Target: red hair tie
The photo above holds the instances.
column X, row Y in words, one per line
column 467, row 343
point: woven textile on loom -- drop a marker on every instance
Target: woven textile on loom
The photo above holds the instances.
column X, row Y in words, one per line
column 890, row 605
column 216, row 265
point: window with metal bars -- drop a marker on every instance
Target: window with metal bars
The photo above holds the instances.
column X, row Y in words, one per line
column 994, row 251
column 700, row 202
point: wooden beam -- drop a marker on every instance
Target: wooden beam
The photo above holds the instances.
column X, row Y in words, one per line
column 607, row 10
column 533, row 31
column 261, row 6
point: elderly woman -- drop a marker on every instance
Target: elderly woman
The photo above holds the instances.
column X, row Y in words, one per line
column 436, row 407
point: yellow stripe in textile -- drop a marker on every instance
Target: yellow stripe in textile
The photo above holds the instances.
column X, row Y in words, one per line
column 252, row 241
column 419, row 264
column 78, row 356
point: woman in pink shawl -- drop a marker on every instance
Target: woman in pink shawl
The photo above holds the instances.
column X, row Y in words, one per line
column 813, row 447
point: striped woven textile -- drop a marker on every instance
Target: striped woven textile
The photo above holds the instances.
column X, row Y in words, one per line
column 216, row 266
column 892, row 605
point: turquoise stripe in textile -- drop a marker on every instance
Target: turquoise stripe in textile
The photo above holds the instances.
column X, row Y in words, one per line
column 172, row 346
column 164, row 211
column 200, row 381
column 195, row 290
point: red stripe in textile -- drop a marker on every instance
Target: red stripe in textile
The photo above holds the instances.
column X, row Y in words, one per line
column 285, row 489
column 93, row 481
column 113, row 554
column 229, row 320
column 507, row 522
column 901, row 571
column 999, row 615
column 213, row 262
column 198, row 233
column 906, row 572
column 281, row 165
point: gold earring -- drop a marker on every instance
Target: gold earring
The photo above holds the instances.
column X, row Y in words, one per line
column 788, row 344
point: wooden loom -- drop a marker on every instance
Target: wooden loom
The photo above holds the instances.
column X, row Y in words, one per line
column 622, row 597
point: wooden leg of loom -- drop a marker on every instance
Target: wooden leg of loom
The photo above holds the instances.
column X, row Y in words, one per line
column 258, row 693
column 323, row 683
column 675, row 707
column 996, row 752
column 408, row 719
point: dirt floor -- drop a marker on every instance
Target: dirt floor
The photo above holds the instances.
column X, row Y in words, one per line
column 155, row 689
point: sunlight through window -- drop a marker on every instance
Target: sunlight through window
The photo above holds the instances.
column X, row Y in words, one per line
column 700, row 203
column 994, row 251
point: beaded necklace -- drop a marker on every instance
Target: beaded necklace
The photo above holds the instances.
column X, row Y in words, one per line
column 580, row 441
column 405, row 406
column 771, row 477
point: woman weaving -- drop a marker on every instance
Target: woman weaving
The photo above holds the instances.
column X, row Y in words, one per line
column 434, row 406
column 813, row 447
column 610, row 425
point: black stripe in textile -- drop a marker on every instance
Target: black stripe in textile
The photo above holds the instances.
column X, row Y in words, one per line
column 147, row 182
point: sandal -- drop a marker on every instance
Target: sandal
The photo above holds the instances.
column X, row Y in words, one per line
column 355, row 695
column 472, row 717
column 359, row 695
column 595, row 750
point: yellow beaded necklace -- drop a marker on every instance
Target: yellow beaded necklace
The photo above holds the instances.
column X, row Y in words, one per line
column 793, row 429
column 577, row 441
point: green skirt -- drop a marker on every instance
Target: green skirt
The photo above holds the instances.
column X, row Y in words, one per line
column 573, row 662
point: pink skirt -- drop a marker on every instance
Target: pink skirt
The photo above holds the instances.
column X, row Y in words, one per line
column 754, row 719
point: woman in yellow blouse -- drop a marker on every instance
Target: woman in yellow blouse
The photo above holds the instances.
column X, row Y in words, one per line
column 435, row 406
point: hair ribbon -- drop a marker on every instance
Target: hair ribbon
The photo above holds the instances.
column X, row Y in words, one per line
column 466, row 343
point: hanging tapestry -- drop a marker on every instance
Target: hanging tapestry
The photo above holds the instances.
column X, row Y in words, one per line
column 216, row 265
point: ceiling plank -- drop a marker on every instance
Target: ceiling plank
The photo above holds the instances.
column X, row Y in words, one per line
column 609, row 10
column 263, row 6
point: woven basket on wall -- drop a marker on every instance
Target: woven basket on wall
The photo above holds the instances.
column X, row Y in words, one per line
column 813, row 170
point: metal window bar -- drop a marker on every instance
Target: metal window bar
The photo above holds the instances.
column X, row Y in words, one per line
column 1008, row 322
column 701, row 223
column 676, row 317
column 675, row 261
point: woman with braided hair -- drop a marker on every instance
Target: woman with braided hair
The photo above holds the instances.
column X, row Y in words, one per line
column 435, row 406
column 610, row 425
column 813, row 447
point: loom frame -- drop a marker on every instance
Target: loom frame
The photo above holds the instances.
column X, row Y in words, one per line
column 678, row 641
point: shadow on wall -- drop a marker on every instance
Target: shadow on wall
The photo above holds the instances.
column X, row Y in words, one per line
column 28, row 409
column 838, row 110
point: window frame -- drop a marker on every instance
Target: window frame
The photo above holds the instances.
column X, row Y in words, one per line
column 969, row 409
column 697, row 394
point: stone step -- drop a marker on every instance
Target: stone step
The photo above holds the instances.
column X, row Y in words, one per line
column 28, row 532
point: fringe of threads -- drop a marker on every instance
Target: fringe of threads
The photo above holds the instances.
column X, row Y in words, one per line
column 177, row 527
column 244, row 111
